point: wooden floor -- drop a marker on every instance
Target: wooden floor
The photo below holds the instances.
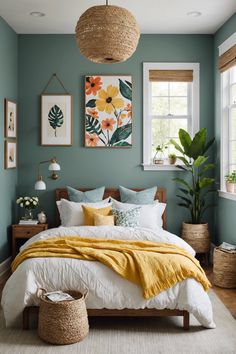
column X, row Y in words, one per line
column 227, row 296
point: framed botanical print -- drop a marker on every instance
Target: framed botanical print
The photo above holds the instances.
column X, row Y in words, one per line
column 56, row 119
column 10, row 119
column 108, row 111
column 10, row 154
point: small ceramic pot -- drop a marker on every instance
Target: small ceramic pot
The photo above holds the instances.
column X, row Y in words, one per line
column 42, row 218
column 231, row 187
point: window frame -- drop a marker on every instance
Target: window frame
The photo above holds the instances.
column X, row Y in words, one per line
column 147, row 123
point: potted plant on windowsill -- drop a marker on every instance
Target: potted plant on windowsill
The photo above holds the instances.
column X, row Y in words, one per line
column 193, row 194
column 159, row 156
column 172, row 159
column 230, row 181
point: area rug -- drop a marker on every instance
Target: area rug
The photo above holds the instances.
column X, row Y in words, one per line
column 134, row 336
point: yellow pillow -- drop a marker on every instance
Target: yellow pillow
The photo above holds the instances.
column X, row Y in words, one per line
column 89, row 213
column 101, row 220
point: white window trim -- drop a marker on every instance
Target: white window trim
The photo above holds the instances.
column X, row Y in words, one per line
column 146, row 103
column 226, row 45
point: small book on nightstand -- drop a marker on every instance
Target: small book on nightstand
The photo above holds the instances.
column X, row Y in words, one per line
column 28, row 222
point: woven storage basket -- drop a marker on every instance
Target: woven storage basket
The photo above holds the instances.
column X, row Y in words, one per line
column 197, row 236
column 224, row 268
column 63, row 322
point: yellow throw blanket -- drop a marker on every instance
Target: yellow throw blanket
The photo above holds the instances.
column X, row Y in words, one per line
column 154, row 266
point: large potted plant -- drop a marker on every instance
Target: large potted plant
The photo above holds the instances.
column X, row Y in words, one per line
column 194, row 190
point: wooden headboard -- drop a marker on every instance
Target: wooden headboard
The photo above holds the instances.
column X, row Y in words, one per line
column 61, row 193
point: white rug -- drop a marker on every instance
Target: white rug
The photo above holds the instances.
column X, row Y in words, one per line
column 134, row 336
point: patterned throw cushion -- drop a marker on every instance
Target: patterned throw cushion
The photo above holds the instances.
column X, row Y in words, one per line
column 92, row 196
column 101, row 220
column 127, row 218
column 143, row 197
column 89, row 213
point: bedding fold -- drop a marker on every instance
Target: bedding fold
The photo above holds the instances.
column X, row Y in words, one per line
column 153, row 266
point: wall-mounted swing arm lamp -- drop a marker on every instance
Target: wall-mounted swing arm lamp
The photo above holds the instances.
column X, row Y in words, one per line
column 53, row 166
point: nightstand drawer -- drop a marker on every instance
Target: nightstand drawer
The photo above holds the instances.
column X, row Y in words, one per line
column 27, row 231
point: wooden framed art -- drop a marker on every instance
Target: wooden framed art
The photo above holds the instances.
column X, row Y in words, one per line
column 10, row 119
column 10, row 154
column 108, row 111
column 56, row 119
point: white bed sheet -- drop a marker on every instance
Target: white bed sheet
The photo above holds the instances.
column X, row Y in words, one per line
column 106, row 288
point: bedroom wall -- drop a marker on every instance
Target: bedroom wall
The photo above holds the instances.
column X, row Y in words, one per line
column 8, row 89
column 225, row 221
column 42, row 55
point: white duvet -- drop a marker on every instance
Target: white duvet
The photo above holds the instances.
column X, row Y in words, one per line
column 106, row 288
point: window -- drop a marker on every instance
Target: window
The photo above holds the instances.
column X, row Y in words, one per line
column 171, row 102
column 227, row 67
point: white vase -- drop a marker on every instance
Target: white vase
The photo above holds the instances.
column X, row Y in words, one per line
column 42, row 218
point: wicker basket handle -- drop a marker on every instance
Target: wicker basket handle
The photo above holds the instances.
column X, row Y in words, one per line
column 40, row 292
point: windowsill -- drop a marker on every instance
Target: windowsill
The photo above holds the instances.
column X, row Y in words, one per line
column 227, row 195
column 164, row 167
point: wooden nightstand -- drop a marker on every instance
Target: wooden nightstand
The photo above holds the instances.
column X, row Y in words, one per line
column 25, row 232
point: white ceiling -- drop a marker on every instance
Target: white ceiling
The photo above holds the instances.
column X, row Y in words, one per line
column 153, row 16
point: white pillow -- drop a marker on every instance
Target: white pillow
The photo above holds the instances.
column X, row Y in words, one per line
column 150, row 214
column 71, row 213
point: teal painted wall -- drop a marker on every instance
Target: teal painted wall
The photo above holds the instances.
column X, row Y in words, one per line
column 42, row 55
column 8, row 89
column 225, row 220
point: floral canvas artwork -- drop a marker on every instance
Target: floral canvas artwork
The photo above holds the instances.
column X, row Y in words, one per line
column 108, row 111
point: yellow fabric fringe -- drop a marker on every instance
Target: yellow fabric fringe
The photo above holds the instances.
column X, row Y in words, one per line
column 154, row 266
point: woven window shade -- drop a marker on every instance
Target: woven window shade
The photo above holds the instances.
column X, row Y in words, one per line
column 171, row 75
column 228, row 59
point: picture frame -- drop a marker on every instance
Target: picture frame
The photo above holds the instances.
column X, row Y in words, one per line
column 10, row 118
column 108, row 111
column 10, row 154
column 56, row 120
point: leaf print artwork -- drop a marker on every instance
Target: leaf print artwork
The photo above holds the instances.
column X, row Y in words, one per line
column 55, row 118
column 108, row 111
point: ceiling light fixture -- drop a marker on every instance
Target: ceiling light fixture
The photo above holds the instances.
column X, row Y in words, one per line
column 194, row 13
column 37, row 14
column 107, row 34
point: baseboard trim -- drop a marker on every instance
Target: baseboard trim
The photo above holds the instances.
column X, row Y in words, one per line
column 5, row 268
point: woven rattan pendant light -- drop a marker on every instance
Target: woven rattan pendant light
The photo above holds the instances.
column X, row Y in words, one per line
column 107, row 34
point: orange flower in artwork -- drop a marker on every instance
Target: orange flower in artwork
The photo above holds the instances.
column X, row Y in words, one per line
column 91, row 139
column 92, row 85
column 93, row 113
column 128, row 108
column 108, row 123
column 120, row 121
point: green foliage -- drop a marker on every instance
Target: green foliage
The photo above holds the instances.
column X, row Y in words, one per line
column 121, row 133
column 92, row 125
column 231, row 177
column 91, row 103
column 193, row 195
column 55, row 118
column 125, row 89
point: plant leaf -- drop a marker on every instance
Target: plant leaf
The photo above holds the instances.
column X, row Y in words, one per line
column 185, row 161
column 184, row 205
column 185, row 191
column 208, row 145
column 182, row 181
column 122, row 143
column 55, row 117
column 129, row 83
column 205, row 182
column 125, row 90
column 198, row 144
column 177, row 146
column 188, row 201
column 185, row 140
column 206, row 168
column 92, row 125
column 91, row 103
column 200, row 160
column 121, row 133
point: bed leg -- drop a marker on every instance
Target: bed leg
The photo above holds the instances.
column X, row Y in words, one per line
column 26, row 319
column 186, row 320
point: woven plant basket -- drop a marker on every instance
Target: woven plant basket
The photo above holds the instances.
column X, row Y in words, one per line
column 107, row 34
column 63, row 322
column 197, row 236
column 224, row 268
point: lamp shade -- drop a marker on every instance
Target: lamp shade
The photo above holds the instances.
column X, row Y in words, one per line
column 54, row 166
column 40, row 185
column 107, row 34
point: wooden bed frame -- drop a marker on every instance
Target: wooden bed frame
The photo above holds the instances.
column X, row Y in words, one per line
column 114, row 193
